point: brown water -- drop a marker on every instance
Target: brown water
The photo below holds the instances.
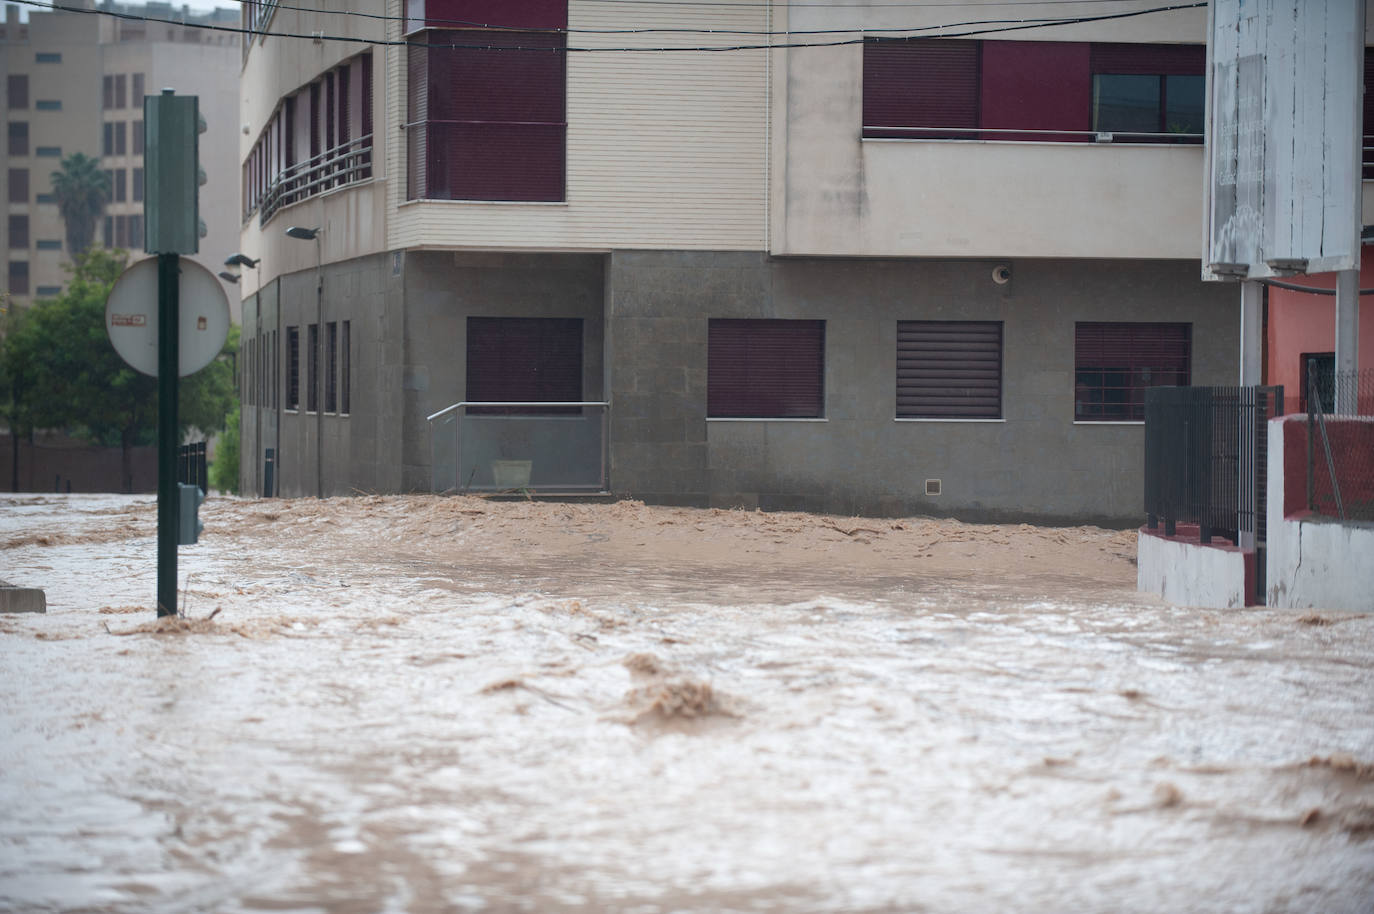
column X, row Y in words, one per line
column 424, row 705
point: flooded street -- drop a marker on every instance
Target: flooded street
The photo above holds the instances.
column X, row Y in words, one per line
column 414, row 704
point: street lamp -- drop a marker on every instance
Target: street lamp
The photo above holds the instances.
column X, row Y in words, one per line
column 228, row 277
column 313, row 234
column 240, row 260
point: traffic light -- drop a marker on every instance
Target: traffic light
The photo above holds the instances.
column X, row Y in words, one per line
column 172, row 126
column 189, row 526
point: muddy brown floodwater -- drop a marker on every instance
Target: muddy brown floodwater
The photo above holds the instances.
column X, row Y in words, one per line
column 416, row 704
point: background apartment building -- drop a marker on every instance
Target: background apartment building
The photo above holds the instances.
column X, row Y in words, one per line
column 75, row 83
column 848, row 268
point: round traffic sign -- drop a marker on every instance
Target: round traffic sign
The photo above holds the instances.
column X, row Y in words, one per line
column 203, row 316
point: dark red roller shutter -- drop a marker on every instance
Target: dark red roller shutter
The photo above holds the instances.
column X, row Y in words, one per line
column 345, row 103
column 1115, row 362
column 1368, row 114
column 765, row 369
column 505, row 14
column 949, row 369
column 920, row 82
column 521, row 359
column 1149, row 59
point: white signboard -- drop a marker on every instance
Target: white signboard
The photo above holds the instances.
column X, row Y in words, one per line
column 131, row 316
column 1284, row 82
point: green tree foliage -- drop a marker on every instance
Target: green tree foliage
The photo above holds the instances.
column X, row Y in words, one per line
column 69, row 375
column 224, row 472
column 82, row 189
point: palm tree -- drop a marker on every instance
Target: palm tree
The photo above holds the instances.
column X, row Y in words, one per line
column 82, row 190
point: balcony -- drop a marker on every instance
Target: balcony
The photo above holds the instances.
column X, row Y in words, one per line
column 347, row 163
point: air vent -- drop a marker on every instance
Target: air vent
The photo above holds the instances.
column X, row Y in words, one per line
column 932, row 487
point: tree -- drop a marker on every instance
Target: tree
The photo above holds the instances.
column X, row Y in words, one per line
column 82, row 189
column 74, row 379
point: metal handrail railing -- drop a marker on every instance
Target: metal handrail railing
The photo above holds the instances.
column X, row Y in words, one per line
column 1100, row 136
column 347, row 163
column 517, row 403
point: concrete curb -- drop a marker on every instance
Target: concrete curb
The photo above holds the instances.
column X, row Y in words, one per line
column 22, row 599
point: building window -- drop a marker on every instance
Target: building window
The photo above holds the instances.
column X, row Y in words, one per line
column 1115, row 363
column 486, row 122
column 121, row 87
column 19, row 277
column 107, row 93
column 48, row 244
column 331, row 367
column 1149, row 92
column 293, row 368
column 345, row 368
column 121, row 185
column 523, row 360
column 18, row 138
column 121, row 231
column 1324, row 365
column 18, row 185
column 312, row 369
column 136, row 231
column 121, row 138
column 45, row 198
column 48, row 152
column 765, row 369
column 136, row 94
column 48, row 291
column 17, row 91
column 48, row 57
column 107, row 235
column 19, row 231
column 137, row 131
column 48, row 104
column 949, row 369
column 107, row 138
column 138, row 185
column 920, row 83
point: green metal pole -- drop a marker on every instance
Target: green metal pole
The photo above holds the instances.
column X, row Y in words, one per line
column 168, row 359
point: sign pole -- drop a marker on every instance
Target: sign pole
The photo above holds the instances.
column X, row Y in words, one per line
column 168, row 311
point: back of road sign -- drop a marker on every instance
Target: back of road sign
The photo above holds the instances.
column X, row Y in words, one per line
column 131, row 317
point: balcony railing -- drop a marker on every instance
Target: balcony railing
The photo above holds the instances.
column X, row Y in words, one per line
column 549, row 448
column 347, row 163
column 1028, row 135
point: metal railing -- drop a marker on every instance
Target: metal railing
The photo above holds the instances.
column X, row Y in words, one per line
column 1028, row 134
column 1340, row 443
column 191, row 468
column 347, row 163
column 548, row 447
column 1206, row 452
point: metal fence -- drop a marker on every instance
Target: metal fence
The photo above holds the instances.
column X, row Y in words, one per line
column 191, row 468
column 1206, row 451
column 1340, row 444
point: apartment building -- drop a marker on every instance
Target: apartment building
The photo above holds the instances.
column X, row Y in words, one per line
column 75, row 83
column 842, row 266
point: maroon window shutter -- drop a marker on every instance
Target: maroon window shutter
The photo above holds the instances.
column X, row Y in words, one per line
column 521, row 359
column 345, row 103
column 505, row 14
column 920, row 82
column 1115, row 362
column 289, row 125
column 314, row 119
column 367, row 94
column 949, row 369
column 765, row 368
column 1368, row 114
column 1149, row 59
column 329, row 102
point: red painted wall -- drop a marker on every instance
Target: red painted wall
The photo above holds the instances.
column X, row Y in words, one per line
column 1299, row 322
column 1036, row 84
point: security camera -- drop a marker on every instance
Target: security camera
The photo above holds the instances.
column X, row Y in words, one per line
column 1001, row 274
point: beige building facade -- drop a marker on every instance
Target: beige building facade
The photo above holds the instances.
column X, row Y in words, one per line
column 75, row 83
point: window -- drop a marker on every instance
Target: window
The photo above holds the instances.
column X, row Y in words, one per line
column 949, row 369
column 121, row 231
column 1149, row 90
column 1324, row 364
column 121, row 138
column 48, row 152
column 107, row 236
column 293, row 368
column 121, row 185
column 48, row 104
column 18, row 138
column 107, row 93
column 19, row 277
column 1114, row 363
column 136, row 230
column 486, row 122
column 524, row 360
column 138, row 185
column 18, row 185
column 121, row 87
column 45, row 198
column 107, row 139
column 19, row 231
column 48, row 291
column 48, row 244
column 312, row 369
column 920, row 82
column 136, row 94
column 137, row 131
column 331, row 367
column 48, row 57
column 765, row 369
column 345, row 368
column 17, row 91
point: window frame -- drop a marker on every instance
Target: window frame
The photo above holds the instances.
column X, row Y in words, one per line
column 293, row 368
column 765, row 369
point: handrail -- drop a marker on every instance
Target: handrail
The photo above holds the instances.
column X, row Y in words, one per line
column 488, row 403
column 348, row 163
column 1034, row 131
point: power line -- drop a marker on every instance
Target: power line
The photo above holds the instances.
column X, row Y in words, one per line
column 320, row 36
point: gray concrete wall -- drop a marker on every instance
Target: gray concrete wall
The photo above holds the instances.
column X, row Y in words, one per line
column 444, row 289
column 1036, row 463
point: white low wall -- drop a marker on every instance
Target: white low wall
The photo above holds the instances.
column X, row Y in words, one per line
column 1313, row 562
column 1190, row 574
